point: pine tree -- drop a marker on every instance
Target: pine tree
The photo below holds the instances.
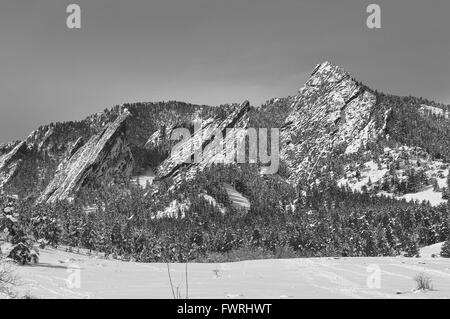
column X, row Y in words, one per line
column 412, row 250
column 445, row 251
column 435, row 184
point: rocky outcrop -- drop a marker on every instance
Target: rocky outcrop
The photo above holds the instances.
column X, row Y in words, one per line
column 41, row 138
column 53, row 166
column 238, row 200
column 76, row 146
column 103, row 156
column 332, row 113
column 204, row 141
column 10, row 162
column 160, row 139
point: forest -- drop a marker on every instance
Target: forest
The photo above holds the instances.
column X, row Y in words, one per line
column 317, row 219
column 323, row 221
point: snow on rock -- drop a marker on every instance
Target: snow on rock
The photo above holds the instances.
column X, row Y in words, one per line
column 212, row 201
column 434, row 110
column 42, row 138
column 102, row 156
column 331, row 111
column 204, row 141
column 160, row 139
column 176, row 209
column 237, row 199
column 10, row 162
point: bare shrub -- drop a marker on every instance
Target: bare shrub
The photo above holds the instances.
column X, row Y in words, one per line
column 176, row 290
column 423, row 282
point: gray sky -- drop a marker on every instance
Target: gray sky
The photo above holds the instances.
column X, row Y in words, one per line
column 207, row 52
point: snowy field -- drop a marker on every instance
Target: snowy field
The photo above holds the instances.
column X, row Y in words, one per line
column 61, row 274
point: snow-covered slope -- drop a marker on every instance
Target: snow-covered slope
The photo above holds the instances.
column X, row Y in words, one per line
column 10, row 162
column 58, row 274
column 383, row 173
column 104, row 154
column 432, row 251
column 434, row 110
column 205, row 140
column 238, row 200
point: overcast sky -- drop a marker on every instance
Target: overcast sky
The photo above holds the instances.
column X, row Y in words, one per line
column 207, row 52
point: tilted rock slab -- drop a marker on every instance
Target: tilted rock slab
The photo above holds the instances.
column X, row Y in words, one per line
column 180, row 163
column 10, row 162
column 332, row 111
column 104, row 155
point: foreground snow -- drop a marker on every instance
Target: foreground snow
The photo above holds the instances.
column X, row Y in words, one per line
column 56, row 277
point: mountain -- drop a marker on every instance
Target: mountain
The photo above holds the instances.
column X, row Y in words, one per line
column 201, row 141
column 104, row 155
column 332, row 113
column 354, row 162
column 333, row 128
column 56, row 161
column 10, row 162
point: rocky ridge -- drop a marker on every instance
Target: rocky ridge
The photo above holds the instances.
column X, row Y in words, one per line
column 332, row 115
column 331, row 112
column 104, row 155
column 10, row 163
column 204, row 140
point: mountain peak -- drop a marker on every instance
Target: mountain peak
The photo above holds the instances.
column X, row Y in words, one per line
column 323, row 65
column 331, row 112
column 326, row 73
column 327, row 65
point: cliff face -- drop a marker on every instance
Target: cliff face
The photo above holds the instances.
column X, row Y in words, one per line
column 103, row 156
column 332, row 113
column 110, row 152
column 49, row 161
column 10, row 163
column 182, row 162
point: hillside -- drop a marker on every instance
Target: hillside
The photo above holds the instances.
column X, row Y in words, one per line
column 354, row 166
column 330, row 119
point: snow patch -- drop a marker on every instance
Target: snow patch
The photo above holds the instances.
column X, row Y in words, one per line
column 434, row 110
